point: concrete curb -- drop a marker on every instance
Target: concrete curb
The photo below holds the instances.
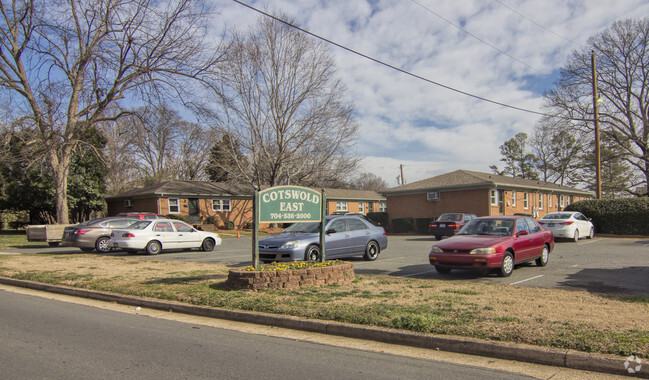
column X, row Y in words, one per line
column 510, row 351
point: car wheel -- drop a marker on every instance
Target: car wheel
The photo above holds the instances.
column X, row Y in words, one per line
column 153, row 247
column 208, row 245
column 438, row 237
column 101, row 245
column 371, row 251
column 312, row 253
column 543, row 259
column 507, row 266
column 442, row 270
column 86, row 249
column 576, row 237
column 591, row 234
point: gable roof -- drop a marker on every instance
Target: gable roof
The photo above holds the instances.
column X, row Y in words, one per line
column 466, row 180
column 219, row 189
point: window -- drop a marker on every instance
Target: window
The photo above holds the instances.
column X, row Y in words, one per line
column 355, row 225
column 339, row 225
column 341, row 206
column 383, row 207
column 432, row 196
column 513, row 198
column 521, row 225
column 541, row 201
column 526, row 201
column 182, row 227
column 370, row 207
column 562, row 201
column 361, row 207
column 221, row 205
column 550, row 196
column 494, row 197
column 174, row 206
column 532, row 225
column 128, row 203
column 163, row 227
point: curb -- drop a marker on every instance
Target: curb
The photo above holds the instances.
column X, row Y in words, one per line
column 510, row 351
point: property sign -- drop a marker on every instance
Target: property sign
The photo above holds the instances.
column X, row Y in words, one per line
column 289, row 204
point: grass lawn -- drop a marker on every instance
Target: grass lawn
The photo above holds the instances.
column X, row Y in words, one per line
column 614, row 324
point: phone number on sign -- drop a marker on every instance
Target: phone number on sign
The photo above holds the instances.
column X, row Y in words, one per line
column 288, row 215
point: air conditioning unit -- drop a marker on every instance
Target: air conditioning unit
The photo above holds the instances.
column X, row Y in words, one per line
column 128, row 203
column 432, row 196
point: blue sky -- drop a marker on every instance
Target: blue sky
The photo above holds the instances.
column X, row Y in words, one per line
column 505, row 53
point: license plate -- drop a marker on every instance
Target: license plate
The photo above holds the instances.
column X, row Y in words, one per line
column 442, row 225
column 551, row 225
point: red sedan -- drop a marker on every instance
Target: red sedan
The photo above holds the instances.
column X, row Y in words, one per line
column 496, row 242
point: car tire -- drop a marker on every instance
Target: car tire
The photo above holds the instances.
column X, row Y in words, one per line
column 371, row 251
column 591, row 234
column 87, row 249
column 153, row 247
column 575, row 238
column 438, row 237
column 442, row 270
column 543, row 259
column 101, row 245
column 507, row 266
column 312, row 253
column 208, row 245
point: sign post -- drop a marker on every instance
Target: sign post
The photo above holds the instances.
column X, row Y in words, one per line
column 287, row 204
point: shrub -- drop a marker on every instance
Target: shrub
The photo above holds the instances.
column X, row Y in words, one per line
column 401, row 225
column 628, row 216
column 421, row 225
column 380, row 218
column 184, row 218
column 212, row 219
column 229, row 225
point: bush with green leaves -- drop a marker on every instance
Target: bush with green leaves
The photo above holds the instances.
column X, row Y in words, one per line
column 380, row 218
column 184, row 218
column 403, row 225
column 627, row 216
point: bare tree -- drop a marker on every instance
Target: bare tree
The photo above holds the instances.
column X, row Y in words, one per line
column 622, row 55
column 285, row 109
column 369, row 181
column 64, row 62
column 558, row 151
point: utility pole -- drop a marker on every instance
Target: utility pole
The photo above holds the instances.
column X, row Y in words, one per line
column 402, row 181
column 598, row 154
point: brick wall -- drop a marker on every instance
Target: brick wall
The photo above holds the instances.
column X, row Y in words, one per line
column 417, row 206
column 341, row 274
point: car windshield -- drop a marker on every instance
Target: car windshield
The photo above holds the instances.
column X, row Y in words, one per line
column 497, row 227
column 450, row 218
column 311, row 227
column 557, row 215
column 139, row 225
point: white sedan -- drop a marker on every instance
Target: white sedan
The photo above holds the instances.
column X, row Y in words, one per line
column 568, row 224
column 153, row 236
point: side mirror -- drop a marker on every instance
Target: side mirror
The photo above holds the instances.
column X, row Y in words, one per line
column 521, row 233
column 331, row 231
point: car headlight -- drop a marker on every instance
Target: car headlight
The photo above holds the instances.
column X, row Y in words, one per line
column 290, row 245
column 436, row 249
column 483, row 251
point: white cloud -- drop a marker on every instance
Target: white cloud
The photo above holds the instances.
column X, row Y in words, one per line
column 429, row 129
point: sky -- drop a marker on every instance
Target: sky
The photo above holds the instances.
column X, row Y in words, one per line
column 508, row 51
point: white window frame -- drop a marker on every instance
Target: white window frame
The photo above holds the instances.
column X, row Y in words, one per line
column 562, row 201
column 550, row 196
column 493, row 197
column 383, row 206
column 540, row 201
column 177, row 205
column 513, row 198
column 341, row 206
column 432, row 196
column 361, row 207
column 526, row 201
column 128, row 203
column 221, row 205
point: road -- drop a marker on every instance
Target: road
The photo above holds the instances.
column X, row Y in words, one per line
column 46, row 338
column 614, row 265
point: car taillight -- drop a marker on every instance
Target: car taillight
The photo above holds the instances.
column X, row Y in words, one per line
column 567, row 223
column 81, row 232
column 433, row 225
column 454, row 225
column 128, row 235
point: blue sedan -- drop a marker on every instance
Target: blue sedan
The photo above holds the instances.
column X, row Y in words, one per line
column 346, row 235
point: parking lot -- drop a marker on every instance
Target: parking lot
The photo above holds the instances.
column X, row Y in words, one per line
column 603, row 264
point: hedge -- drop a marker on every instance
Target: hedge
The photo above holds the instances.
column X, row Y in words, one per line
column 422, row 224
column 402, row 225
column 380, row 218
column 628, row 216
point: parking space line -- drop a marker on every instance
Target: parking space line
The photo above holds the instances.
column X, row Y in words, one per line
column 531, row 278
column 416, row 274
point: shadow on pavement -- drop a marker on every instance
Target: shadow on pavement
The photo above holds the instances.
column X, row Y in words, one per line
column 628, row 280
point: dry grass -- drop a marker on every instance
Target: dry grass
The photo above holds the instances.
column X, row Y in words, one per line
column 548, row 317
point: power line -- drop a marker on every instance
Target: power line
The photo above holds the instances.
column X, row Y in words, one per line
column 476, row 37
column 536, row 23
column 389, row 65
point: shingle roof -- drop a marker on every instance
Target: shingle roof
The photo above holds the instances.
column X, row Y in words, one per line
column 216, row 189
column 466, row 179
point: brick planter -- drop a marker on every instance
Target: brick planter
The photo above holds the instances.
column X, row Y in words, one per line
column 341, row 274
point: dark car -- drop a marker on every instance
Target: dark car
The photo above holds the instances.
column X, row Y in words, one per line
column 346, row 235
column 496, row 242
column 94, row 234
column 449, row 224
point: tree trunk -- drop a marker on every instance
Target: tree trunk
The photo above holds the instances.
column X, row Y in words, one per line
column 60, row 168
